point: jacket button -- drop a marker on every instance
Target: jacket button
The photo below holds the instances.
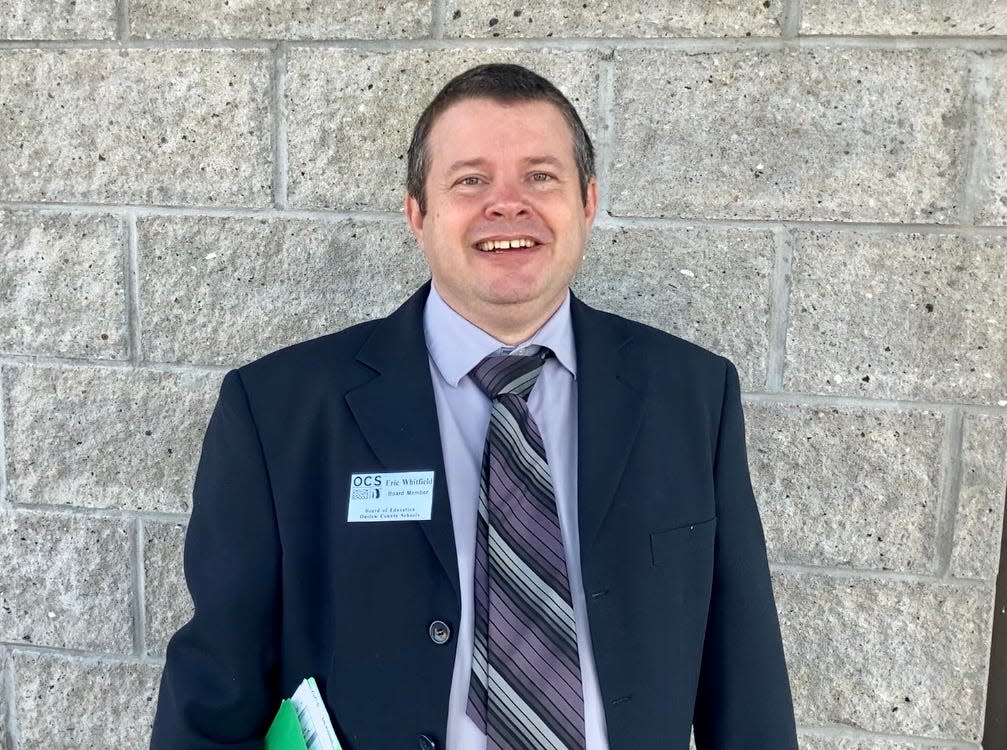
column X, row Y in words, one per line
column 425, row 743
column 439, row 632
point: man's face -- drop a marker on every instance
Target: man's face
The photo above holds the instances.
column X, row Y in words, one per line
column 498, row 175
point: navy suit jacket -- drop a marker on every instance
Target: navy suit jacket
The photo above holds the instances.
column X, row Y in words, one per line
column 682, row 616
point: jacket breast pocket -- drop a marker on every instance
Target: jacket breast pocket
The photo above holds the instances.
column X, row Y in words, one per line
column 683, row 544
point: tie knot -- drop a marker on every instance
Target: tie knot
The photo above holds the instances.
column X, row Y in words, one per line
column 515, row 373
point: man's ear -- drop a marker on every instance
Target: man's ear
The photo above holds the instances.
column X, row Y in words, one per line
column 415, row 218
column 591, row 201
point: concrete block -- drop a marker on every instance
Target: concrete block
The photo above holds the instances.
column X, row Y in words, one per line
column 67, row 704
column 105, row 438
column 991, row 157
column 898, row 316
column 181, row 126
column 976, row 549
column 838, row 134
column 903, row 17
column 226, row 290
column 59, row 19
column 61, row 279
column 887, row 656
column 846, row 486
column 66, row 582
column 351, row 114
column 283, row 19
column 166, row 599
column 575, row 18
column 710, row 287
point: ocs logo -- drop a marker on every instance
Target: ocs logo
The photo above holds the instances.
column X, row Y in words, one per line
column 365, row 487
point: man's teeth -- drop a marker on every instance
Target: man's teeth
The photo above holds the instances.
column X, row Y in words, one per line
column 504, row 244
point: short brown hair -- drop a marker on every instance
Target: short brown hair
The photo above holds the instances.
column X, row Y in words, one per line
column 505, row 83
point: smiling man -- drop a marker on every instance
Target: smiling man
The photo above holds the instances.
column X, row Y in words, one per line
column 497, row 518
column 503, row 214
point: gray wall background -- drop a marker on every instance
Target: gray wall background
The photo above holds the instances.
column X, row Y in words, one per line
column 817, row 189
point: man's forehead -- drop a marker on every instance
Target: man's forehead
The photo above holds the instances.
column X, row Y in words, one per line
column 471, row 114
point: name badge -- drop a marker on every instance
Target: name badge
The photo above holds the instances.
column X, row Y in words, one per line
column 391, row 496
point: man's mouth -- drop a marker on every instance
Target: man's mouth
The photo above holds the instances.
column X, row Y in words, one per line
column 497, row 245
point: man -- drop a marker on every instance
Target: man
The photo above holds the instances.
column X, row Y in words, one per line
column 577, row 558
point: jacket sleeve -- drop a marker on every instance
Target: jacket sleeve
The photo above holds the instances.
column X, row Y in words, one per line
column 743, row 699
column 218, row 687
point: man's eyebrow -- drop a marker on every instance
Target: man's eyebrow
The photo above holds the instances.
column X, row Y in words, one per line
column 531, row 161
column 535, row 161
column 466, row 164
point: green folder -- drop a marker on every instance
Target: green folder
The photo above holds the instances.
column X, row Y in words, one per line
column 285, row 731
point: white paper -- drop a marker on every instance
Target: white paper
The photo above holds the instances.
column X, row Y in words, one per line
column 314, row 718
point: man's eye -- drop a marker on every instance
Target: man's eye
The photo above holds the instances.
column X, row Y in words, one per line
column 541, row 177
column 470, row 180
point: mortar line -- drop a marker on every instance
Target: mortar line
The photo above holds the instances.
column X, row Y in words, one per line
column 122, row 21
column 791, row 26
column 974, row 135
column 603, row 221
column 951, row 479
column 38, row 360
column 139, row 610
column 683, row 44
column 105, row 514
column 134, row 43
column 4, row 501
column 278, row 124
column 879, row 227
column 55, row 208
column 155, row 210
column 132, row 289
column 13, row 737
column 865, row 574
column 436, row 19
column 606, row 131
column 841, row 731
column 779, row 308
column 816, row 400
column 80, row 656
column 152, row 209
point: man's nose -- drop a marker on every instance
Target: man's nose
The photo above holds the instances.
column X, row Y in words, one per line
column 507, row 201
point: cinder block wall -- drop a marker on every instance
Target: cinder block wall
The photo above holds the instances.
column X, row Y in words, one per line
column 817, row 189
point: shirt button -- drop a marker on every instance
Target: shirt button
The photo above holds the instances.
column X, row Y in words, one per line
column 425, row 743
column 440, row 634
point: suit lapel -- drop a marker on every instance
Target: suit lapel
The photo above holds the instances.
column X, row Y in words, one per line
column 397, row 415
column 609, row 409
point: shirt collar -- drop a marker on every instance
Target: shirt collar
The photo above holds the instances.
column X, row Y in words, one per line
column 457, row 345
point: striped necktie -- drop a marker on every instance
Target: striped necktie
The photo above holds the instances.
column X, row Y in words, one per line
column 525, row 689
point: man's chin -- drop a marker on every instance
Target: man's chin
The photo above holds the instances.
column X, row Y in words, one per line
column 514, row 296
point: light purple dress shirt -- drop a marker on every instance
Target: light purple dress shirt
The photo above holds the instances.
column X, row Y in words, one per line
column 456, row 346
